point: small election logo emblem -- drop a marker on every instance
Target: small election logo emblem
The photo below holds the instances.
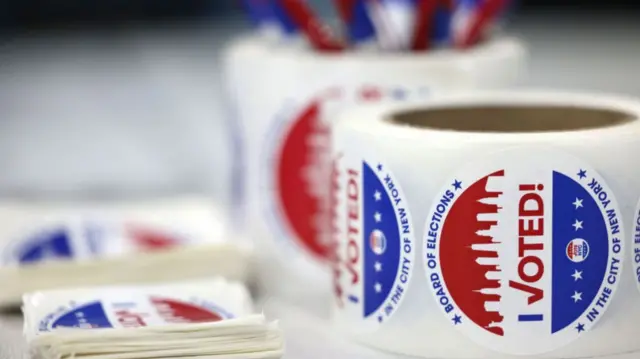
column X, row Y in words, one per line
column 131, row 314
column 539, row 236
column 577, row 250
column 375, row 258
column 378, row 242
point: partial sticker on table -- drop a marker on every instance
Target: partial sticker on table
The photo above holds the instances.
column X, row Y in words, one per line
column 374, row 237
column 88, row 239
column 131, row 310
column 524, row 250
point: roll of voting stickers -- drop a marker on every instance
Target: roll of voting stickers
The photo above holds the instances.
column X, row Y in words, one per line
column 492, row 225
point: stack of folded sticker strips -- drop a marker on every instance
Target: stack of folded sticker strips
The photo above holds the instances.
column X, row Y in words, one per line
column 195, row 319
column 73, row 246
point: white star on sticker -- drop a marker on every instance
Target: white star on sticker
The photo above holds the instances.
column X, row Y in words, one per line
column 576, row 297
column 577, row 225
column 377, row 195
column 377, row 216
column 578, row 203
column 377, row 287
column 577, row 275
column 378, row 266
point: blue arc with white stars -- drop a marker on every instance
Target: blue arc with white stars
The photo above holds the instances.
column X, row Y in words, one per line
column 381, row 240
column 577, row 222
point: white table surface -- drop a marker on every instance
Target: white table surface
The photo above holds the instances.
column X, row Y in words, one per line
column 172, row 136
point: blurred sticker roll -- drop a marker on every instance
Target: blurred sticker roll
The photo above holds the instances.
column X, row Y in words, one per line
column 495, row 225
column 53, row 244
column 287, row 94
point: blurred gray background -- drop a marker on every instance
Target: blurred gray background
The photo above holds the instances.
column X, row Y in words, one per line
column 124, row 97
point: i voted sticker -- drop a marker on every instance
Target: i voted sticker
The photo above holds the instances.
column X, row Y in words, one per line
column 299, row 153
column 87, row 239
column 132, row 311
column 524, row 250
column 374, row 256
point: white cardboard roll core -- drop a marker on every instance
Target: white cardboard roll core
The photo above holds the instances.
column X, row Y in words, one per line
column 284, row 99
column 495, row 225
